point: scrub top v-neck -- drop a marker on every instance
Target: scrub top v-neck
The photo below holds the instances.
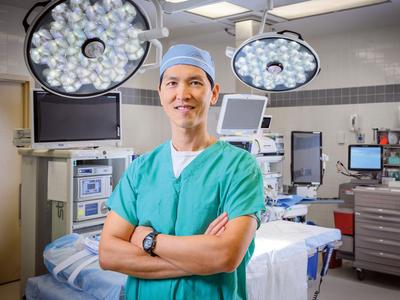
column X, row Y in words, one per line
column 222, row 178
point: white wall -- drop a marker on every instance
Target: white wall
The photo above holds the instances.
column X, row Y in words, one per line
column 11, row 55
column 358, row 58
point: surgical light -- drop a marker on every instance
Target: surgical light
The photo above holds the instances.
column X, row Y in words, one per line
column 84, row 48
column 275, row 62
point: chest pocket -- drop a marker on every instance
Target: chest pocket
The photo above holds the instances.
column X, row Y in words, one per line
column 155, row 206
column 198, row 206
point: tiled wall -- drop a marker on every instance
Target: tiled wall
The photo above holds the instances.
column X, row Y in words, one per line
column 354, row 95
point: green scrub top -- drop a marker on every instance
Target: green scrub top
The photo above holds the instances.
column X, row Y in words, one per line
column 222, row 178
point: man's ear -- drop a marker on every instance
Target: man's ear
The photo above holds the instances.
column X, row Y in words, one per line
column 215, row 94
column 159, row 95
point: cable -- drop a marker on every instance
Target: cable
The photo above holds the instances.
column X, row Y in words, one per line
column 316, row 293
column 324, row 270
column 340, row 168
column 228, row 32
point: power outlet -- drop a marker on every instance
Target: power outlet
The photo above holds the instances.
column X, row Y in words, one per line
column 360, row 137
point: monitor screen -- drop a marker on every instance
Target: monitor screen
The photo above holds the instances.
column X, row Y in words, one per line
column 266, row 122
column 365, row 158
column 241, row 114
column 60, row 119
column 306, row 149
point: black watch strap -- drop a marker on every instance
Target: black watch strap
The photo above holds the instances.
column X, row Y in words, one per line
column 149, row 242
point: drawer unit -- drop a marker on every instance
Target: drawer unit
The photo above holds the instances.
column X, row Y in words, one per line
column 377, row 218
column 379, row 230
column 378, row 257
column 377, row 214
column 368, row 265
column 378, row 243
column 377, row 198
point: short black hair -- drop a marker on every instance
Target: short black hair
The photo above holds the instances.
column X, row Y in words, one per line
column 208, row 77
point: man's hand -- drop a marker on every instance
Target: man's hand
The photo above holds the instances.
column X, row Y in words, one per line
column 217, row 227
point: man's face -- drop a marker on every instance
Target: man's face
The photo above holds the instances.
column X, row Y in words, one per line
column 186, row 95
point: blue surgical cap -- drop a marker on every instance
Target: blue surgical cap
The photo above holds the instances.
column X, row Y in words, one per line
column 188, row 55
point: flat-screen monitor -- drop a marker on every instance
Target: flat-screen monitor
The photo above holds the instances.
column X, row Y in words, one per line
column 306, row 150
column 60, row 122
column 365, row 158
column 241, row 114
column 266, row 122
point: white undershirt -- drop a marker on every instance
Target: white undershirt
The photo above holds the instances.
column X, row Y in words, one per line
column 180, row 159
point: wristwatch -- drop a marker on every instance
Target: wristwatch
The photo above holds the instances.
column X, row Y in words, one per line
column 149, row 242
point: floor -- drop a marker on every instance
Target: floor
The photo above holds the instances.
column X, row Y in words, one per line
column 340, row 284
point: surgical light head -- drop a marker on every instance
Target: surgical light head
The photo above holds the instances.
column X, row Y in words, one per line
column 275, row 62
column 84, row 48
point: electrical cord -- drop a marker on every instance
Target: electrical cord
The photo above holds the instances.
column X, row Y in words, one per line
column 316, row 293
column 340, row 168
column 325, row 266
column 322, row 177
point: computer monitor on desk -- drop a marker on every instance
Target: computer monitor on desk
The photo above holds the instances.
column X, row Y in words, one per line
column 365, row 158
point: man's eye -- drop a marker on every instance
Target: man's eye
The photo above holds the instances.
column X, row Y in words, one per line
column 171, row 83
column 196, row 82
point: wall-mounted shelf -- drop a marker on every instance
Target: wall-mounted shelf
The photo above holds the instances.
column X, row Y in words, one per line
column 389, row 139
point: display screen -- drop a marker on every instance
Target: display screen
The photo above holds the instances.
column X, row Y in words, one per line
column 306, row 167
column 60, row 119
column 90, row 186
column 266, row 122
column 243, row 114
column 365, row 157
column 242, row 145
column 91, row 209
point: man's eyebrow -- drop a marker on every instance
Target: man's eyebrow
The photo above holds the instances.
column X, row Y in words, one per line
column 197, row 77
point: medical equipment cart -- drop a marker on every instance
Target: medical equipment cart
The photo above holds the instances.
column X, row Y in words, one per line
column 64, row 191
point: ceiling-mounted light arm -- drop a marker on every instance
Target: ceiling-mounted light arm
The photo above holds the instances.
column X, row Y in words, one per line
column 157, row 44
column 270, row 6
column 230, row 51
column 170, row 8
column 153, row 35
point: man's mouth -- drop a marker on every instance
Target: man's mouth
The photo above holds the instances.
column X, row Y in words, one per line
column 184, row 107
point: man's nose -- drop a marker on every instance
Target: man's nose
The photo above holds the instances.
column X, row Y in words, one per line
column 183, row 91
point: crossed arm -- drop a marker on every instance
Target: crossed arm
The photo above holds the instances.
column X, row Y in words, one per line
column 220, row 249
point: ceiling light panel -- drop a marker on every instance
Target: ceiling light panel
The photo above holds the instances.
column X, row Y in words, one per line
column 318, row 7
column 218, row 10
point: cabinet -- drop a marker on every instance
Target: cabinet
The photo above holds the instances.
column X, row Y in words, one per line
column 49, row 198
column 389, row 139
column 377, row 229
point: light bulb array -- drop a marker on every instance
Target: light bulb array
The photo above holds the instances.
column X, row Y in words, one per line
column 57, row 47
column 275, row 64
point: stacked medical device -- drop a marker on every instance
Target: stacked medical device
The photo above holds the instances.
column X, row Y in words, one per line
column 242, row 122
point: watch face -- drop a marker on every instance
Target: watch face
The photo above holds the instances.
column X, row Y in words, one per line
column 147, row 243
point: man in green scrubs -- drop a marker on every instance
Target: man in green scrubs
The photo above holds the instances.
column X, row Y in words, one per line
column 183, row 216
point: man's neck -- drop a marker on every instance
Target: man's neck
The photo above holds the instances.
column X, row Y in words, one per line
column 191, row 139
